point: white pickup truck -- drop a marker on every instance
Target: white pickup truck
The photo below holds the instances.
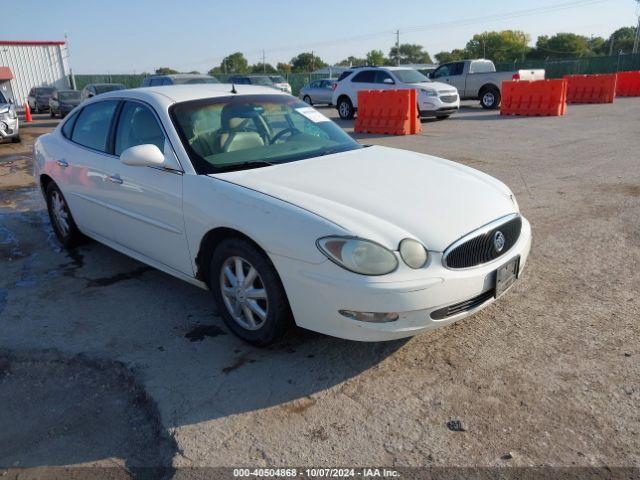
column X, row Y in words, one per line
column 478, row 79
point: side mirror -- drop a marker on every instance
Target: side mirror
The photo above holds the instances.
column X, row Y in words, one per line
column 143, row 156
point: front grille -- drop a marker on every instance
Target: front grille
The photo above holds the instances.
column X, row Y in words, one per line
column 449, row 98
column 465, row 306
column 473, row 250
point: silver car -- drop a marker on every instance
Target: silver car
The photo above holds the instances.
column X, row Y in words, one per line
column 9, row 127
column 318, row 91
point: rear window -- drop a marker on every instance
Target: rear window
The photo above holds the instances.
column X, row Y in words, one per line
column 344, row 75
column 278, row 79
column 44, row 91
column 482, row 67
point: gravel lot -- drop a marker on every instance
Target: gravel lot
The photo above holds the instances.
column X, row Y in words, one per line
column 104, row 361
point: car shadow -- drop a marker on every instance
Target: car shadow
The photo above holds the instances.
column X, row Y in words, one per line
column 98, row 303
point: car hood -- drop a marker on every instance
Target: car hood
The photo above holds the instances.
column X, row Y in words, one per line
column 436, row 85
column 386, row 194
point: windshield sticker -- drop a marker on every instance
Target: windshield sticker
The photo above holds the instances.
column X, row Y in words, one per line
column 312, row 114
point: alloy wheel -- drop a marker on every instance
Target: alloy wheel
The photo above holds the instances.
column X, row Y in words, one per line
column 488, row 99
column 60, row 213
column 244, row 293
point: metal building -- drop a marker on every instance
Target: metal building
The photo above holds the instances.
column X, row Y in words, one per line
column 34, row 64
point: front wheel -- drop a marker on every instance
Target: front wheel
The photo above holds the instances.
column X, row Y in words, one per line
column 61, row 220
column 490, row 98
column 249, row 292
column 307, row 99
column 345, row 109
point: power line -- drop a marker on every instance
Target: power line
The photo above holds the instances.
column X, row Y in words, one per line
column 419, row 28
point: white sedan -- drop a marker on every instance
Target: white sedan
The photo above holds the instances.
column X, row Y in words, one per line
column 263, row 200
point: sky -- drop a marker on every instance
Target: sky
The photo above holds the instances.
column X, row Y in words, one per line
column 134, row 36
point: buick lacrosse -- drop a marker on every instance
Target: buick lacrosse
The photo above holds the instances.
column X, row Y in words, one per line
column 261, row 199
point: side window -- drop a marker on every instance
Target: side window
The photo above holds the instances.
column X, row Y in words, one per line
column 442, row 71
column 155, row 82
column 137, row 126
column 457, row 68
column 315, row 84
column 92, row 126
column 32, row 92
column 167, row 81
column 383, row 77
column 67, row 128
column 367, row 76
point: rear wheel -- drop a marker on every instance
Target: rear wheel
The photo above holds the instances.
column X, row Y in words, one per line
column 490, row 98
column 345, row 108
column 61, row 219
column 249, row 292
column 307, row 99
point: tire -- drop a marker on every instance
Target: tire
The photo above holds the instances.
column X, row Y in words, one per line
column 239, row 309
column 345, row 108
column 307, row 99
column 64, row 226
column 490, row 98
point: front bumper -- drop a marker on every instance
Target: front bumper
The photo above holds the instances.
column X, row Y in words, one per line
column 435, row 106
column 9, row 128
column 317, row 293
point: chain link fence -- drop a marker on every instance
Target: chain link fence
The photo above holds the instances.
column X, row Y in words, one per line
column 554, row 69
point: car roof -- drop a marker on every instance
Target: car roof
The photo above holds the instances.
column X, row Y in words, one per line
column 169, row 94
column 181, row 75
column 102, row 84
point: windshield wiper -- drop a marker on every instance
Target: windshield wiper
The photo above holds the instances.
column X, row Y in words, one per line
column 244, row 165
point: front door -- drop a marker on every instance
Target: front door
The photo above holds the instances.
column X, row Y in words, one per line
column 147, row 200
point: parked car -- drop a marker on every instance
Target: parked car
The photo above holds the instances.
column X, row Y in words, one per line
column 9, row 124
column 63, row 101
column 478, row 79
column 435, row 99
column 318, row 91
column 280, row 83
column 263, row 200
column 262, row 80
column 38, row 98
column 94, row 89
column 177, row 79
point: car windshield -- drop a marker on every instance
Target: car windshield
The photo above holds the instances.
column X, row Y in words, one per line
column 261, row 81
column 44, row 91
column 239, row 132
column 194, row 80
column 109, row 88
column 2, row 99
column 278, row 79
column 69, row 95
column 410, row 76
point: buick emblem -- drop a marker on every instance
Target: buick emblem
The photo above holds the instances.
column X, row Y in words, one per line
column 499, row 241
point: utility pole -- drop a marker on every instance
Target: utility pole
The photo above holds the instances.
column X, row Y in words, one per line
column 72, row 78
column 264, row 65
column 398, row 47
column 637, row 40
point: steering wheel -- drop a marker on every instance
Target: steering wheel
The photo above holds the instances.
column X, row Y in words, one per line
column 289, row 130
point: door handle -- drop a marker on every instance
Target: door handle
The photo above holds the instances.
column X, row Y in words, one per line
column 115, row 179
column 62, row 163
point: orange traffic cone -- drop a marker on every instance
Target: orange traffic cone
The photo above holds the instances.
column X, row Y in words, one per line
column 27, row 113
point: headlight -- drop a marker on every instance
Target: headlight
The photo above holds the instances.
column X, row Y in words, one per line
column 358, row 256
column 430, row 93
column 12, row 113
column 413, row 253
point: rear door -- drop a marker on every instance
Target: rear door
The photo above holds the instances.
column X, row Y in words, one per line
column 325, row 91
column 81, row 167
column 147, row 201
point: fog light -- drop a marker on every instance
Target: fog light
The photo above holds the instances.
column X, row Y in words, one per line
column 372, row 317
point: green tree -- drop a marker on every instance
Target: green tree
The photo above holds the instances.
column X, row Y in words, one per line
column 166, row 71
column 452, row 56
column 234, row 63
column 409, row 53
column 622, row 39
column 598, row 46
column 306, row 62
column 376, row 57
column 352, row 61
column 503, row 46
column 284, row 67
column 562, row 45
column 262, row 68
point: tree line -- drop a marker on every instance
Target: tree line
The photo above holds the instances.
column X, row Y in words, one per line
column 502, row 46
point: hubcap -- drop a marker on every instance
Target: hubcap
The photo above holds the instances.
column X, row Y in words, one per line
column 60, row 215
column 344, row 109
column 244, row 293
column 488, row 99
